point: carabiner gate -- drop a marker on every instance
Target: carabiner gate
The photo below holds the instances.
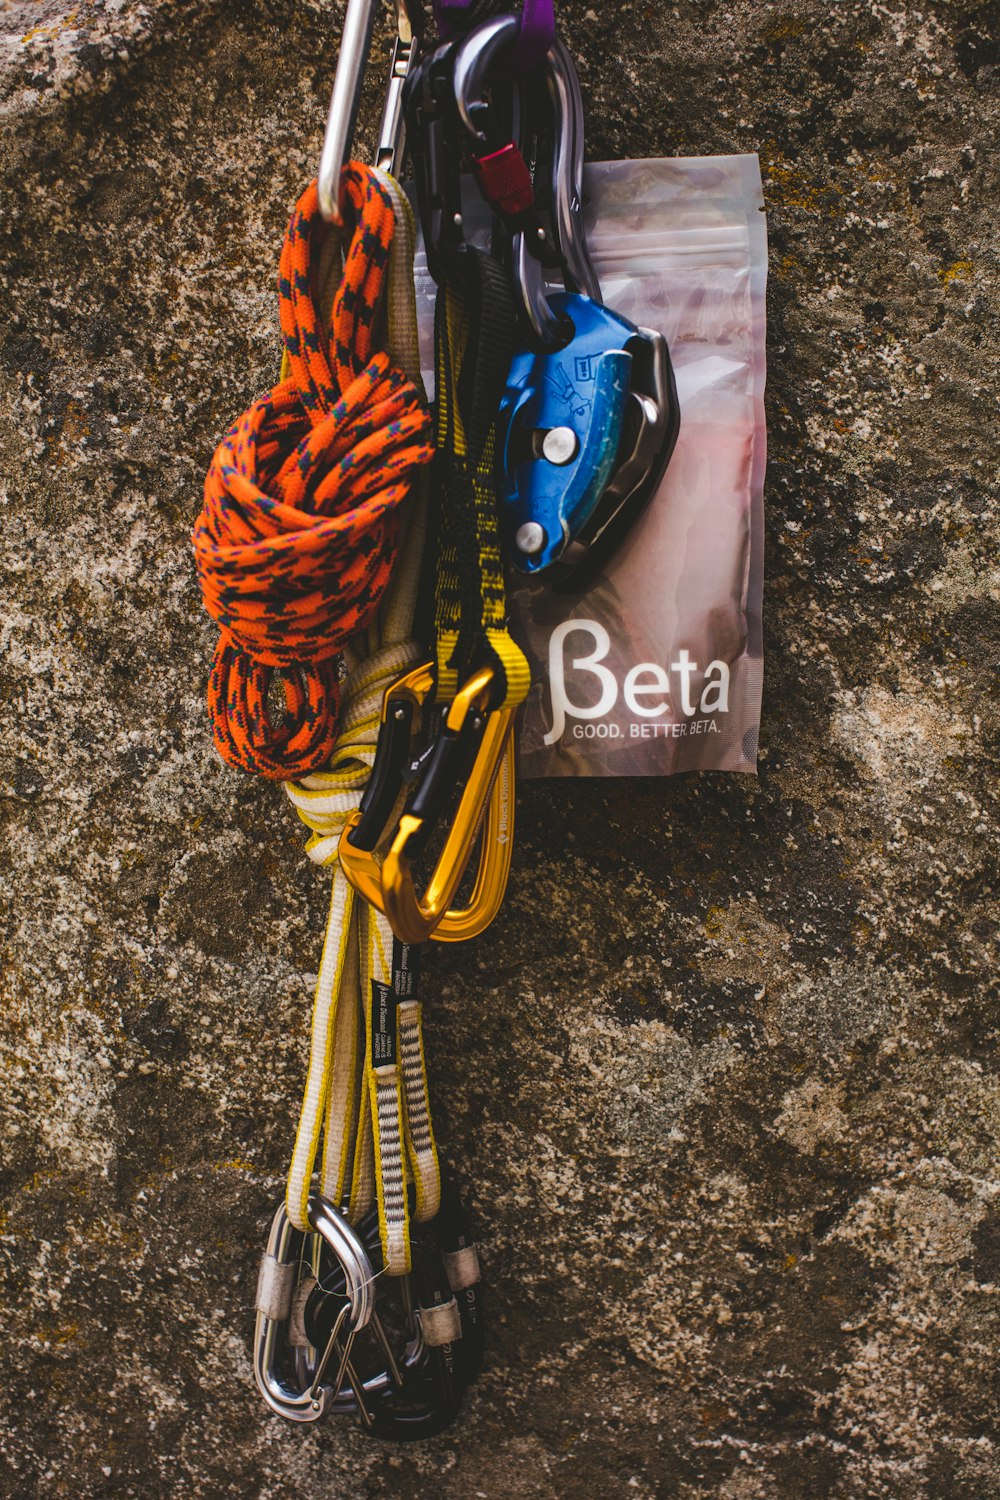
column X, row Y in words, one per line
column 469, row 725
column 306, row 1316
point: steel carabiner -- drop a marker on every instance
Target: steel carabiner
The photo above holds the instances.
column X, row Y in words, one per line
column 302, row 1320
column 275, row 1367
column 520, row 200
column 355, row 45
column 567, row 171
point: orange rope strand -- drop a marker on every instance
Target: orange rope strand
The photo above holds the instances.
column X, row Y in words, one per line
column 297, row 536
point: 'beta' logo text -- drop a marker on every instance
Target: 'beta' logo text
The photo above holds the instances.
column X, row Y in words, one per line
column 645, row 689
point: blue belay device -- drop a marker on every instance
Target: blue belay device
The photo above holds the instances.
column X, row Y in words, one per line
column 563, row 411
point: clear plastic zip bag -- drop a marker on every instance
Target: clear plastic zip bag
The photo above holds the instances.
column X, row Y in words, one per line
column 658, row 667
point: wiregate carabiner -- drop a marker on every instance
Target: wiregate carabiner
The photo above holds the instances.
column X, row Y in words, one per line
column 306, row 1316
column 402, row 707
column 421, row 1388
column 274, row 1365
column 355, row 45
column 304, row 1320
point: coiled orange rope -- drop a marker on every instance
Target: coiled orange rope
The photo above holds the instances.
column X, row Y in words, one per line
column 296, row 538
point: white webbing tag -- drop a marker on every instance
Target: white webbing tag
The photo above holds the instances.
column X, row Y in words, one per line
column 274, row 1287
column 441, row 1324
column 461, row 1267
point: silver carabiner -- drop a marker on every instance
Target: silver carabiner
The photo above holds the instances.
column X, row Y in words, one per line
column 355, row 45
column 275, row 1291
column 291, row 1374
column 392, row 128
column 474, row 59
column 567, row 169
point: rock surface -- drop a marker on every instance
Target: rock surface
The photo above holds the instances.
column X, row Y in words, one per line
column 721, row 1084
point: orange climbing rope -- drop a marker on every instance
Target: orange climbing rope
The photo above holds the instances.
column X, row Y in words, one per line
column 297, row 535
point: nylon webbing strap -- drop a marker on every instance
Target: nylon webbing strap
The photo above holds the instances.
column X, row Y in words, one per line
column 383, row 1080
column 474, row 330
column 366, row 1086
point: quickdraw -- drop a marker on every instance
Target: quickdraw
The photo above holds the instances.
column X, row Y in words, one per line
column 354, row 543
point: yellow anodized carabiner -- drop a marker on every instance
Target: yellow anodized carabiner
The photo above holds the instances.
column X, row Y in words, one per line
column 496, row 851
column 486, row 801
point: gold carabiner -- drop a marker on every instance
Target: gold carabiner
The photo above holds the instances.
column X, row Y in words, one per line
column 414, row 919
column 488, row 790
column 364, row 830
column 496, row 851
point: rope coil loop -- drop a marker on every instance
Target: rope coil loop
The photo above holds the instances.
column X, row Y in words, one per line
column 297, row 536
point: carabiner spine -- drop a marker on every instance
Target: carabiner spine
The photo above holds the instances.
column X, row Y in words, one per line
column 355, row 45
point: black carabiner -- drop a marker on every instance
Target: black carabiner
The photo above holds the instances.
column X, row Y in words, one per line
column 432, row 135
column 445, row 1270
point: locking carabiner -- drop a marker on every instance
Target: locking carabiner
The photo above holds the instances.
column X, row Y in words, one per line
column 402, row 710
column 429, row 110
column 567, row 171
column 520, row 199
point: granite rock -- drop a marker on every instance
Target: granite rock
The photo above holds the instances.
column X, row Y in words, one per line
column 721, row 1082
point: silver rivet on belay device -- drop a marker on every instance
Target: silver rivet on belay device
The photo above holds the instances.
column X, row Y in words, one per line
column 559, row 445
column 530, row 538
